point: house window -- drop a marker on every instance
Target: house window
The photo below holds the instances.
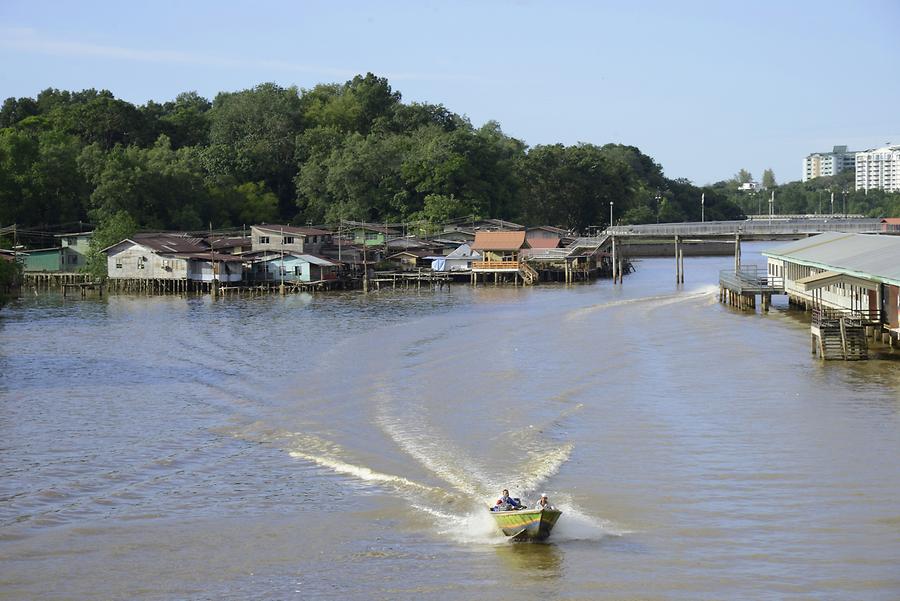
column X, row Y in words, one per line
column 288, row 239
column 371, row 235
column 298, row 270
column 263, row 239
column 118, row 263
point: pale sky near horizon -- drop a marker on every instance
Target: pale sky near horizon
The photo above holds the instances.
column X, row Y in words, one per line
column 705, row 88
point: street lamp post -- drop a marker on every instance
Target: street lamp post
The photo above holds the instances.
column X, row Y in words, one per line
column 832, row 204
column 610, row 213
column 703, row 207
column 658, row 199
column 844, row 194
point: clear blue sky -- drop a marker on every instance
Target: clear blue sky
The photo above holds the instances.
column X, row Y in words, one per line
column 706, row 88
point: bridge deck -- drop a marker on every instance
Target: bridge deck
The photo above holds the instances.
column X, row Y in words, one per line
column 756, row 227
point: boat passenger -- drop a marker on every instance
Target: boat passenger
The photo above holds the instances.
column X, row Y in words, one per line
column 544, row 502
column 507, row 503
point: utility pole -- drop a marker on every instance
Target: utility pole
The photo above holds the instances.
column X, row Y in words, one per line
column 340, row 228
column 281, row 287
column 365, row 265
column 703, row 207
column 213, row 286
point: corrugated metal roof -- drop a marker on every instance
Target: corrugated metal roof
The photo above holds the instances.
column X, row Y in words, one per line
column 265, row 256
column 206, row 256
column 499, row 240
column 549, row 228
column 866, row 255
column 463, row 251
column 170, row 243
column 292, row 229
column 544, row 242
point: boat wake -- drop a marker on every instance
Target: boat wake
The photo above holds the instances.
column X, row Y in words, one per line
column 657, row 301
column 466, row 523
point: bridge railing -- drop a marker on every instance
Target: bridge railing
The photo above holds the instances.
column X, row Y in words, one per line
column 774, row 226
column 749, row 278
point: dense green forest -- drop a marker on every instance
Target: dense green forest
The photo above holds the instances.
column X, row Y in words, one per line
column 336, row 151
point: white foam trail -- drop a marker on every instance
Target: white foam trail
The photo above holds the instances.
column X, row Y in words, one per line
column 438, row 456
column 541, row 466
column 474, row 527
column 362, row 472
column 659, row 300
column 422, row 443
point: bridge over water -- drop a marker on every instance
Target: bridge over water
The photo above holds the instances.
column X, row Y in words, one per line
column 771, row 228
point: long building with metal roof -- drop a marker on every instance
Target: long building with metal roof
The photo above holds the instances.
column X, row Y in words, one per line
column 854, row 272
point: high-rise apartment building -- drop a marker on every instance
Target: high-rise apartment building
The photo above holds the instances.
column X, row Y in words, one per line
column 879, row 169
column 822, row 164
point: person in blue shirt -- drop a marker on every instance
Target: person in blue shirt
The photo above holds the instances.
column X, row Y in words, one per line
column 507, row 503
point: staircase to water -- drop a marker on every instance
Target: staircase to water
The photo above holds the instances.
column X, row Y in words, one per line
column 838, row 337
column 528, row 273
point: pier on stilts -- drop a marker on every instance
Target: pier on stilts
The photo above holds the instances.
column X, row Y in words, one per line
column 739, row 287
column 409, row 279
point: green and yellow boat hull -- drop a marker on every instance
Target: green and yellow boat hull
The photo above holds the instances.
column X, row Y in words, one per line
column 527, row 524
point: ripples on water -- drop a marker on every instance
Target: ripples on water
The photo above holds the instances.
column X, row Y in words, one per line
column 342, row 445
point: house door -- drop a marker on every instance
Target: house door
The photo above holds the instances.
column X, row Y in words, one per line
column 890, row 302
column 873, row 301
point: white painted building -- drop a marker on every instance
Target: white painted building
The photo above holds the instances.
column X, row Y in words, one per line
column 879, row 169
column 170, row 257
column 826, row 164
column 850, row 272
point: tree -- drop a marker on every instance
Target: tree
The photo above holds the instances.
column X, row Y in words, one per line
column 158, row 187
column 10, row 279
column 253, row 135
column 356, row 106
column 103, row 120
column 768, row 179
column 39, row 178
column 670, row 211
column 640, row 214
column 110, row 231
column 16, row 109
column 743, row 177
column 439, row 208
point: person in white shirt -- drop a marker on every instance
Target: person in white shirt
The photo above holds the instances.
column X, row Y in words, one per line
column 544, row 503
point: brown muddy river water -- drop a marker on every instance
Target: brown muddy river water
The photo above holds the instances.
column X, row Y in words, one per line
column 344, row 447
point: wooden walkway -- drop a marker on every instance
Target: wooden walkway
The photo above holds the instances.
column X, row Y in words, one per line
column 740, row 287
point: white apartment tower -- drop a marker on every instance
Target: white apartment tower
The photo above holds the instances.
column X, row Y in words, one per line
column 822, row 164
column 879, row 169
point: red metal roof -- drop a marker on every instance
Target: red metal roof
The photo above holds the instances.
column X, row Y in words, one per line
column 543, row 242
column 499, row 241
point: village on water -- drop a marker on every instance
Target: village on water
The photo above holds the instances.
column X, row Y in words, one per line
column 844, row 271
